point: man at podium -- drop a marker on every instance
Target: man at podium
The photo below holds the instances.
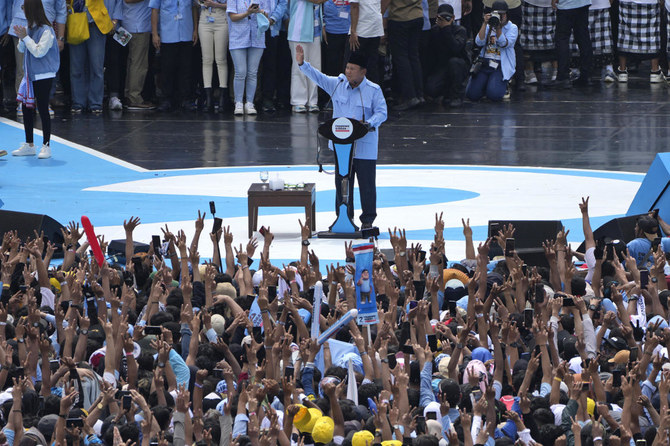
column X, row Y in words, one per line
column 355, row 97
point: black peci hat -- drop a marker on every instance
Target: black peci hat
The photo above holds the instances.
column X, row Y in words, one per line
column 358, row 58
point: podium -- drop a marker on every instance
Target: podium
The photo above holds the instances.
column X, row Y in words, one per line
column 343, row 133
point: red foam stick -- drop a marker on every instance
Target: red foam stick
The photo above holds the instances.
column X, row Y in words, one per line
column 92, row 240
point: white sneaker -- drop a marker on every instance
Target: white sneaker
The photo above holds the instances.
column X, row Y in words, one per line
column 531, row 78
column 249, row 108
column 656, row 77
column 622, row 76
column 239, row 109
column 45, row 152
column 609, row 76
column 25, row 150
column 115, row 103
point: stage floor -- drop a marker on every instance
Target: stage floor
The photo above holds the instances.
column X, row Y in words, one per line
column 522, row 159
column 609, row 127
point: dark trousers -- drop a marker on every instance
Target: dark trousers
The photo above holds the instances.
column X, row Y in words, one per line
column 365, row 172
column 42, row 90
column 447, row 80
column 515, row 15
column 115, row 67
column 573, row 21
column 176, row 71
column 488, row 82
column 370, row 47
column 333, row 50
column 427, row 54
column 276, row 69
column 333, row 61
column 404, row 39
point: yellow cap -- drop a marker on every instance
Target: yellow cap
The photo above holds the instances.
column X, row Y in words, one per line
column 55, row 283
column 302, row 412
column 450, row 273
column 362, row 438
column 323, row 430
column 590, row 406
column 621, row 357
column 307, row 422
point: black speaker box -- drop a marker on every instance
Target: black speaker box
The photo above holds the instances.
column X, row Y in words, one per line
column 622, row 228
column 117, row 248
column 528, row 236
column 26, row 223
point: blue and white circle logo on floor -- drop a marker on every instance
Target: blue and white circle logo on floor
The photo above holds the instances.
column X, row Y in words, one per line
column 79, row 180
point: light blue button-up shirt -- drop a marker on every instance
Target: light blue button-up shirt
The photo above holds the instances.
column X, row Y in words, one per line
column 136, row 17
column 505, row 44
column 5, row 15
column 55, row 11
column 176, row 20
column 244, row 33
column 365, row 102
column 279, row 9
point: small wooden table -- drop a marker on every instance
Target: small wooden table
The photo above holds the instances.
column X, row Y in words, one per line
column 259, row 196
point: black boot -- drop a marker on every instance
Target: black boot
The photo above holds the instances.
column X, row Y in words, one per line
column 224, row 100
column 209, row 102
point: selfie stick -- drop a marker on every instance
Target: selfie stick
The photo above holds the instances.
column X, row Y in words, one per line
column 344, row 320
column 92, row 240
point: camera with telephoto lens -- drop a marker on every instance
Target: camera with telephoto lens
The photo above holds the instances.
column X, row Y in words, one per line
column 494, row 20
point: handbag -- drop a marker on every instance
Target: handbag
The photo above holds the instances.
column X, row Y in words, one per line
column 77, row 26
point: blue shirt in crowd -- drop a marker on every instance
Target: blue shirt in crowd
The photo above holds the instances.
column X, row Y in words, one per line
column 244, row 33
column 176, row 20
column 336, row 16
column 639, row 247
column 504, row 49
column 5, row 16
column 136, row 17
column 279, row 10
column 55, row 10
column 426, row 19
column 365, row 102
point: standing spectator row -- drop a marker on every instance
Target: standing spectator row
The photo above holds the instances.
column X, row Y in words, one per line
column 141, row 54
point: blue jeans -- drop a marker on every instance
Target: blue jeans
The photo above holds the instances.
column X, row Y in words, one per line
column 87, row 75
column 488, row 82
column 246, row 62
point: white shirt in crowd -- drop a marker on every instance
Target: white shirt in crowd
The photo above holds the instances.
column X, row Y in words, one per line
column 370, row 22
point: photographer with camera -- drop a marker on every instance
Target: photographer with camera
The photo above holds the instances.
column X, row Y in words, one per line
column 451, row 68
column 497, row 62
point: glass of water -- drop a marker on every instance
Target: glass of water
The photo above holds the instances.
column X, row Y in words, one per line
column 264, row 177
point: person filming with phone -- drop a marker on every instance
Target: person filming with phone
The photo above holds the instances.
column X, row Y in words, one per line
column 453, row 63
column 357, row 98
column 497, row 62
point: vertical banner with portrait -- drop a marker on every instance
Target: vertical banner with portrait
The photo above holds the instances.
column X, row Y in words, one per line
column 366, row 301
